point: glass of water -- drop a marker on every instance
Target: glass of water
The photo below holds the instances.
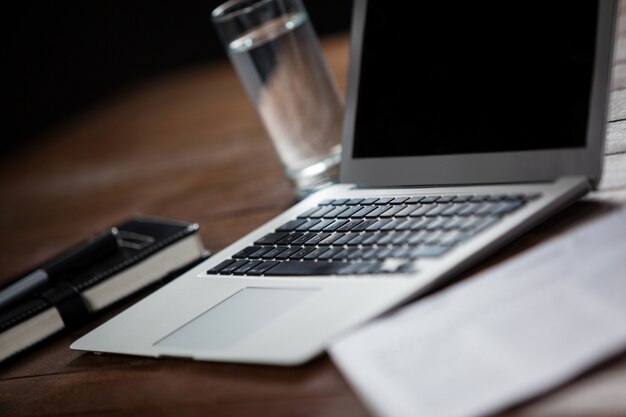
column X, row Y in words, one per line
column 277, row 55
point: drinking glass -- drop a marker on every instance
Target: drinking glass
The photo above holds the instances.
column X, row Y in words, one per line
column 276, row 53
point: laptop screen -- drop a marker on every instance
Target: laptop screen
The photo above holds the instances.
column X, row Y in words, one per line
column 474, row 77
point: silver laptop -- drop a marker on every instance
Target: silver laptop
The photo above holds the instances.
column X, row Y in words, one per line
column 465, row 125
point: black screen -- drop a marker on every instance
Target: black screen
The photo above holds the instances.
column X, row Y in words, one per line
column 460, row 77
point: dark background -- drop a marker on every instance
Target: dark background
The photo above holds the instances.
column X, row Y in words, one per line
column 64, row 56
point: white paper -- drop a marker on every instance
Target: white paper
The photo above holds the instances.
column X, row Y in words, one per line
column 504, row 335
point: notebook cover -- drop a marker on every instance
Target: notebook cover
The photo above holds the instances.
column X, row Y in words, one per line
column 140, row 238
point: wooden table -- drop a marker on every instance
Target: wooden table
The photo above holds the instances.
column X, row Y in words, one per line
column 190, row 146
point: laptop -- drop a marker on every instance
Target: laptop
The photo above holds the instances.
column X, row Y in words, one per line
column 466, row 124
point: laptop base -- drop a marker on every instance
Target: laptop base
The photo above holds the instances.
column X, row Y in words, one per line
column 191, row 317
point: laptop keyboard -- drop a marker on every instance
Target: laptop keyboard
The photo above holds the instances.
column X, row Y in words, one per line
column 370, row 235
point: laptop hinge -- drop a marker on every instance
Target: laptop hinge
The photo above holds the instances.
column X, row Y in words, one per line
column 390, row 187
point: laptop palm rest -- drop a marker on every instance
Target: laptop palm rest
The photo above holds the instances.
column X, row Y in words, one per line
column 238, row 316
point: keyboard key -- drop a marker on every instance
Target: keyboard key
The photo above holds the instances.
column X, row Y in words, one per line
column 438, row 238
column 486, row 209
column 260, row 252
column 344, row 238
column 305, row 268
column 506, row 207
column 340, row 201
column 354, row 201
column 348, row 212
column 330, row 239
column 271, row 238
column 471, row 222
column 307, row 225
column 327, row 202
column 363, row 225
column 378, row 224
column 349, row 225
column 407, row 267
column 438, row 223
column 481, row 225
column 385, row 238
column 363, row 212
column 392, row 211
column 369, row 201
column 422, row 224
column 407, row 224
column 400, row 252
column 479, row 198
column 320, row 226
column 373, row 268
column 358, row 239
column 216, row 269
column 301, row 253
column 446, row 199
column 438, row 209
column 288, row 252
column 369, row 253
column 289, row 239
column 495, row 198
column 304, row 237
column 428, row 251
column 417, row 238
column 429, row 199
column 357, row 254
column 515, row 197
column 245, row 268
column 291, row 225
column 414, row 200
column 329, row 253
column 455, row 223
column 230, row 268
column 463, row 198
column 383, row 200
column 344, row 254
column 244, row 253
column 469, row 210
column 392, row 225
column 372, row 238
column 455, row 209
column 398, row 200
column 432, row 238
column 382, row 253
column 400, row 238
column 309, row 212
column 317, row 238
column 377, row 211
column 316, row 253
column 336, row 211
column 422, row 210
column 354, row 268
column 321, row 212
column 406, row 211
column 260, row 268
column 453, row 237
column 272, row 253
column 335, row 225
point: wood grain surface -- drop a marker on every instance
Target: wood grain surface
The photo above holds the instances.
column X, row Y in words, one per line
column 190, row 146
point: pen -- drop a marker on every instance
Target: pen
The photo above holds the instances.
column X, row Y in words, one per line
column 50, row 271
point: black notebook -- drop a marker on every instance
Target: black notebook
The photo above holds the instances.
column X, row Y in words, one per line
column 149, row 250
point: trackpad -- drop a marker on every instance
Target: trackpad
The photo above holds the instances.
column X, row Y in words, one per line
column 238, row 316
